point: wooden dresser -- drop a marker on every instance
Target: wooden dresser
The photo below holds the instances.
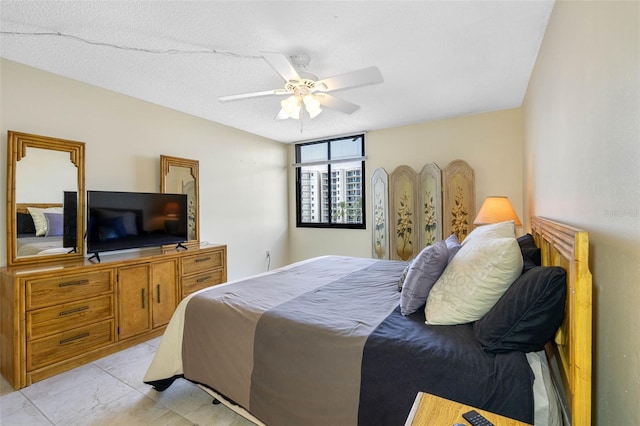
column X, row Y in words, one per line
column 57, row 316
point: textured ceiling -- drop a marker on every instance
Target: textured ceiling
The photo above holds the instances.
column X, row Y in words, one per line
column 439, row 59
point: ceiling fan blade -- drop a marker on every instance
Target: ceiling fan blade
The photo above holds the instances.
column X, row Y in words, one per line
column 281, row 64
column 357, row 78
column 253, row 95
column 337, row 104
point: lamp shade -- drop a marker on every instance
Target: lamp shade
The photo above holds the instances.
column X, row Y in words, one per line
column 172, row 209
column 496, row 209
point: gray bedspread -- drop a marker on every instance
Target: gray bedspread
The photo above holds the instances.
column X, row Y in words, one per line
column 322, row 342
column 289, row 345
column 31, row 246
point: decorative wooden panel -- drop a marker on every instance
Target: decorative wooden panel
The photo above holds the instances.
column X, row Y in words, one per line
column 459, row 199
column 380, row 206
column 402, row 206
column 429, row 210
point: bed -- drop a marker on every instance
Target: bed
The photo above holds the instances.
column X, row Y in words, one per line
column 327, row 341
column 39, row 228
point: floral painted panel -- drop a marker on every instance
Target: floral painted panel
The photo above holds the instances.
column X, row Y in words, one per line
column 380, row 203
column 402, row 206
column 459, row 199
column 430, row 204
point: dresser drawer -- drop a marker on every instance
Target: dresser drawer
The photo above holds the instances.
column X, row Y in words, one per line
column 197, row 282
column 59, row 318
column 203, row 262
column 62, row 346
column 66, row 288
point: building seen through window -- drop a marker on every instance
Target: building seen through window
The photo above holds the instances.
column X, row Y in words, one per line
column 330, row 183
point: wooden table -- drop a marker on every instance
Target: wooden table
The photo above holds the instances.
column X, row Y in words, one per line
column 431, row 410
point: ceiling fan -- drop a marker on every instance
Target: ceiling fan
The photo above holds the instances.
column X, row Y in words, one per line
column 305, row 89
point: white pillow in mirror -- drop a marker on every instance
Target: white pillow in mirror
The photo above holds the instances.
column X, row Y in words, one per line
column 39, row 219
column 474, row 280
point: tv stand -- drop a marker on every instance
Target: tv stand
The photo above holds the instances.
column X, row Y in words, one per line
column 95, row 255
column 181, row 246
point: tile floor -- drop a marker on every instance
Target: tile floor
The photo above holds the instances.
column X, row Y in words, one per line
column 110, row 391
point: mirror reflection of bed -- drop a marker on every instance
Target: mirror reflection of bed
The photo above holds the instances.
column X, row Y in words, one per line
column 46, row 228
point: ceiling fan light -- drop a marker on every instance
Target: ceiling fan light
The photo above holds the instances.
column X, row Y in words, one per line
column 314, row 113
column 290, row 102
column 311, row 102
column 291, row 107
column 312, row 105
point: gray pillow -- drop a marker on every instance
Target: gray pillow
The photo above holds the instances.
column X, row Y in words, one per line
column 54, row 224
column 453, row 245
column 423, row 272
column 403, row 276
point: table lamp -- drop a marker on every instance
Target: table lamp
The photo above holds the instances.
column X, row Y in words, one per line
column 496, row 209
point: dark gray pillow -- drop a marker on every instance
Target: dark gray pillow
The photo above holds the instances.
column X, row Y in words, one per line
column 25, row 224
column 530, row 253
column 423, row 273
column 528, row 315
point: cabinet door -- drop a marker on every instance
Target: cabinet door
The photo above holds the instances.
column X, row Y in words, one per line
column 133, row 300
column 164, row 288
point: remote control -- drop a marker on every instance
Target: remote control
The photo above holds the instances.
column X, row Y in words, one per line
column 476, row 419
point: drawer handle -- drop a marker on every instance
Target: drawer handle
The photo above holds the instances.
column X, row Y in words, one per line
column 74, row 338
column 203, row 279
column 158, row 292
column 78, row 282
column 203, row 259
column 73, row 311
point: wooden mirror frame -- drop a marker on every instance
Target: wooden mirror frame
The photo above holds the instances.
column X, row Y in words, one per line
column 166, row 162
column 17, row 144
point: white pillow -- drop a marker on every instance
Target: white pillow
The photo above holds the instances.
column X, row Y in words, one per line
column 39, row 219
column 495, row 230
column 477, row 276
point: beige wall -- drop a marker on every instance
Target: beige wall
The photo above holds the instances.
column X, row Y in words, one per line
column 243, row 177
column 582, row 166
column 491, row 143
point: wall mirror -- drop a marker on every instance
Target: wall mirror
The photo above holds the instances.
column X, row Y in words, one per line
column 180, row 176
column 45, row 199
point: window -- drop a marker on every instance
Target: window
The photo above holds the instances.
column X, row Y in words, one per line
column 330, row 183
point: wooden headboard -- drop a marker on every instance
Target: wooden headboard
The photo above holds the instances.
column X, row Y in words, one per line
column 570, row 353
column 22, row 207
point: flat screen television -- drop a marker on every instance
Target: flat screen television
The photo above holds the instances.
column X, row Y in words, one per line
column 128, row 220
column 70, row 220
